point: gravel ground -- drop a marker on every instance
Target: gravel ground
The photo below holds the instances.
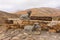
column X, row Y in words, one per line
column 22, row 35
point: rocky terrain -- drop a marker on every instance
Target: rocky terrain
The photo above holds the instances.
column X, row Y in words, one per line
column 19, row 34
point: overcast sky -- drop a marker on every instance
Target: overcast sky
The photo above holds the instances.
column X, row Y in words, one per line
column 14, row 5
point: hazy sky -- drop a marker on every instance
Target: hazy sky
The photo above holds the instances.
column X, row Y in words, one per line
column 13, row 5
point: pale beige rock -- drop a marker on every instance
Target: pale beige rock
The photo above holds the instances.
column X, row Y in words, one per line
column 37, row 33
column 29, row 39
column 15, row 38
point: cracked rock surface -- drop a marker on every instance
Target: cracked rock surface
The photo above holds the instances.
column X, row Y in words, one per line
column 17, row 34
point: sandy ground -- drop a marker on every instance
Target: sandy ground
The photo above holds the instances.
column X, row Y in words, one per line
column 18, row 34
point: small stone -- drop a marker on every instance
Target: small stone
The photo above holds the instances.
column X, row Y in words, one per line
column 37, row 33
column 29, row 39
column 19, row 35
column 25, row 34
column 42, row 39
column 15, row 38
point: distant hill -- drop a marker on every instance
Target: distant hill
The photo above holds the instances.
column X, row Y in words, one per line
column 5, row 15
column 44, row 11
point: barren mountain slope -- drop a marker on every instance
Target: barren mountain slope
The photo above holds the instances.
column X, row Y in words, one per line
column 5, row 15
column 44, row 11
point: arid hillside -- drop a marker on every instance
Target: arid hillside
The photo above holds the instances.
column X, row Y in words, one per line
column 44, row 11
column 5, row 15
column 35, row 12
